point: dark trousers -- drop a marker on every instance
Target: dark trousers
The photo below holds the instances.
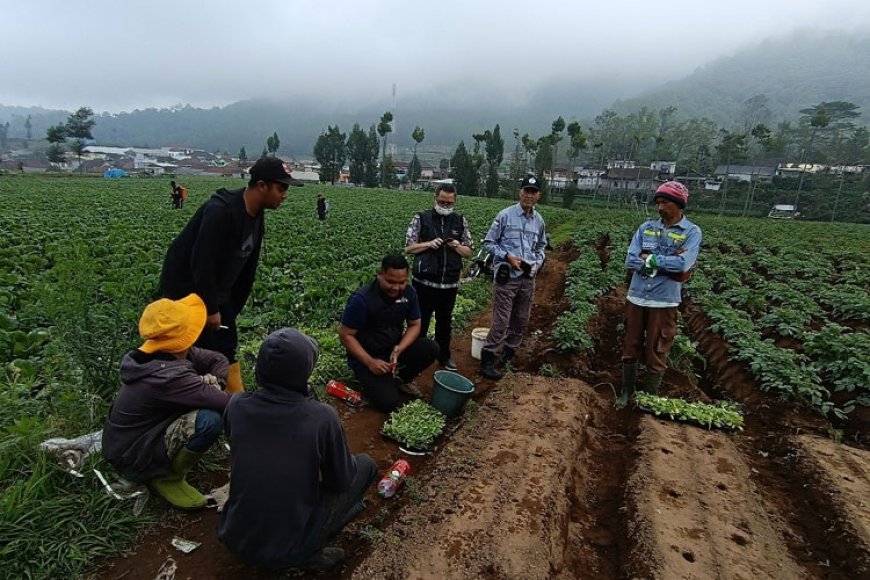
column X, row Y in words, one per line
column 342, row 508
column 382, row 390
column 511, row 308
column 438, row 301
column 649, row 334
column 222, row 340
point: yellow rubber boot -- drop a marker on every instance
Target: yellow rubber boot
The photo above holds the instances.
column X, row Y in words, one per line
column 234, row 379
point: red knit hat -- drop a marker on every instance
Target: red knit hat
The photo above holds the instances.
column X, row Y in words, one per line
column 673, row 191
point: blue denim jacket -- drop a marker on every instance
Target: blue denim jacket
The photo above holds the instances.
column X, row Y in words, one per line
column 676, row 250
column 518, row 234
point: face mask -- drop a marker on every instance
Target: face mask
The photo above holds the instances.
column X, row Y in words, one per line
column 441, row 210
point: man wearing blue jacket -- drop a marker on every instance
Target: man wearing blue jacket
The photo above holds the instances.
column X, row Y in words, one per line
column 517, row 239
column 293, row 481
column 661, row 256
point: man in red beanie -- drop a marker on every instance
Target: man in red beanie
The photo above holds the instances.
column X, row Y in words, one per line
column 660, row 257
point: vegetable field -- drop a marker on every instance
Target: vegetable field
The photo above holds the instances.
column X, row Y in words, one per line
column 541, row 478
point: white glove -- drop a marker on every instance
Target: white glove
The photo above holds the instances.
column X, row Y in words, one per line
column 212, row 380
column 651, row 266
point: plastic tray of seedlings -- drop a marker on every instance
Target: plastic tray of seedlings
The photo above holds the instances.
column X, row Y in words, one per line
column 415, row 427
column 721, row 415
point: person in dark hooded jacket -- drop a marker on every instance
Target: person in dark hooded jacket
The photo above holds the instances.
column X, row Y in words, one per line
column 293, row 481
column 168, row 411
column 217, row 253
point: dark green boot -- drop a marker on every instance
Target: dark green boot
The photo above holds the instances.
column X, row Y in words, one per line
column 629, row 378
column 504, row 362
column 174, row 487
column 652, row 382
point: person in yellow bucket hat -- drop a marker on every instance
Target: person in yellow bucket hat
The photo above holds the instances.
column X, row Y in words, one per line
column 169, row 409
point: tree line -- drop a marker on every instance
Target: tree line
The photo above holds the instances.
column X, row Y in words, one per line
column 826, row 133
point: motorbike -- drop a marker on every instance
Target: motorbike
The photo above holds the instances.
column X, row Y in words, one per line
column 481, row 263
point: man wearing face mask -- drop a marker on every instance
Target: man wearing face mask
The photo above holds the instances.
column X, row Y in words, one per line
column 439, row 239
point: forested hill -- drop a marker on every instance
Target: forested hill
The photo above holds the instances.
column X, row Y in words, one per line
column 794, row 73
column 447, row 117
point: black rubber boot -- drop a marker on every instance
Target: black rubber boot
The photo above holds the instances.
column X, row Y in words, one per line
column 629, row 378
column 652, row 382
column 487, row 366
column 324, row 560
column 504, row 361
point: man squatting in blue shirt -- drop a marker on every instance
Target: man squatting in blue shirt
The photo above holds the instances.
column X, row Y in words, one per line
column 661, row 256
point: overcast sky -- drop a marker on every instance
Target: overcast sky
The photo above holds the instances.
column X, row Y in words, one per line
column 121, row 55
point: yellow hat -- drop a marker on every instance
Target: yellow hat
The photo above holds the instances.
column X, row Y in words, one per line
column 172, row 325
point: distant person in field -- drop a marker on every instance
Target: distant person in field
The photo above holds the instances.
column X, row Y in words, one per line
column 439, row 240
column 175, row 195
column 293, row 480
column 661, row 256
column 321, row 207
column 217, row 253
column 517, row 240
column 380, row 329
column 168, row 411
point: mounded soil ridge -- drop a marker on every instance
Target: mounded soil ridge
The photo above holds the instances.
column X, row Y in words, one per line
column 497, row 501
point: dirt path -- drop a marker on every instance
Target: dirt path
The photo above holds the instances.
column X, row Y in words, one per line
column 546, row 480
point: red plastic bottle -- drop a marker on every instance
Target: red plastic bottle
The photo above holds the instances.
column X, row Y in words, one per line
column 340, row 391
column 394, row 478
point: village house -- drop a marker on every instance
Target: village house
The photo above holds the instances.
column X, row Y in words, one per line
column 746, row 173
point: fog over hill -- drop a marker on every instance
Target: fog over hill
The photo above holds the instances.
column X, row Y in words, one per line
column 794, row 72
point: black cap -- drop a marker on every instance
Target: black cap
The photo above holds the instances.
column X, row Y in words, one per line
column 531, row 182
column 272, row 169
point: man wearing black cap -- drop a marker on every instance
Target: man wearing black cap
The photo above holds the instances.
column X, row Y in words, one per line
column 216, row 256
column 293, row 481
column 517, row 240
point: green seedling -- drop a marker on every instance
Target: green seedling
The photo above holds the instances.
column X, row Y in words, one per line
column 415, row 426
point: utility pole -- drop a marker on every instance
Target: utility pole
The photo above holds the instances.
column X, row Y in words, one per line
column 395, row 117
column 839, row 191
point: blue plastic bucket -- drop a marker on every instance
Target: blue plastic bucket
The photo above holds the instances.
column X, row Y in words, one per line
column 450, row 392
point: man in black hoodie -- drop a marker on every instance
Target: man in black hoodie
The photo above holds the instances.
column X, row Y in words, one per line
column 216, row 256
column 293, row 481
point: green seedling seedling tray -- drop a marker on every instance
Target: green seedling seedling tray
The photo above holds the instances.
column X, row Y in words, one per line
column 721, row 415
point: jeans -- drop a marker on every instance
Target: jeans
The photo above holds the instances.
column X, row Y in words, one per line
column 208, row 427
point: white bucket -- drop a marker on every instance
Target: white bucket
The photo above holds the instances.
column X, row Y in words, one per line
column 478, row 337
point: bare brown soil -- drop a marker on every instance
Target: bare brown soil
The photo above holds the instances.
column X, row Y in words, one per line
column 544, row 479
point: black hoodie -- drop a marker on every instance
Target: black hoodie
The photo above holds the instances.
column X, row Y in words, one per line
column 216, row 254
column 287, row 450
